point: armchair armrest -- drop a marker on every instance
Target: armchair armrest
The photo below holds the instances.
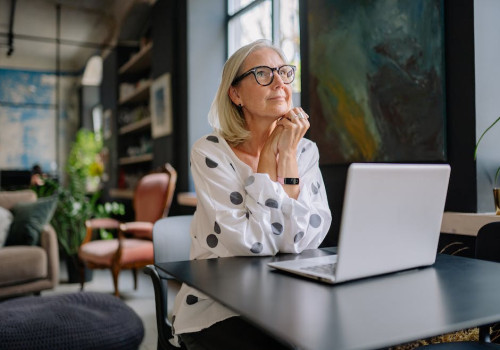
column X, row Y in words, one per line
column 48, row 241
column 140, row 229
column 94, row 224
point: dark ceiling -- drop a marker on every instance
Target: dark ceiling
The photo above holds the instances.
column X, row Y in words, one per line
column 30, row 30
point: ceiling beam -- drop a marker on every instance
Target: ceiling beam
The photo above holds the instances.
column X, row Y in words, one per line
column 10, row 44
column 36, row 38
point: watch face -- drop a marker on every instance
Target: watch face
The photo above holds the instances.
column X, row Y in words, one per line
column 291, row 181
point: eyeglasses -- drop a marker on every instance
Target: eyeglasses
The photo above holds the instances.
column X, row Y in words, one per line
column 264, row 75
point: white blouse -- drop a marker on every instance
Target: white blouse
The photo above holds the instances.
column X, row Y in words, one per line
column 240, row 212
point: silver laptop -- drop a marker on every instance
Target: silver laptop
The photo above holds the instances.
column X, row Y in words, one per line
column 391, row 221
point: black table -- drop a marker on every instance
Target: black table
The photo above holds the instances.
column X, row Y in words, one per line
column 455, row 293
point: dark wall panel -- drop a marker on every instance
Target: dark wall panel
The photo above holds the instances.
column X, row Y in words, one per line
column 461, row 107
column 169, row 31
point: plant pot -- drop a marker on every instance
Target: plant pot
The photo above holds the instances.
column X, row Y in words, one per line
column 73, row 265
column 496, row 196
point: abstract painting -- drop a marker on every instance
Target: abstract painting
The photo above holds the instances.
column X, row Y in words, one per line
column 28, row 116
column 376, row 80
column 27, row 119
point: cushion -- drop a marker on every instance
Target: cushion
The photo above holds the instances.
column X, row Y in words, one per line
column 101, row 252
column 29, row 220
column 76, row 321
column 22, row 264
column 5, row 221
column 9, row 199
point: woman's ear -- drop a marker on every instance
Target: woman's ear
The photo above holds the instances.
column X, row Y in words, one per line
column 234, row 95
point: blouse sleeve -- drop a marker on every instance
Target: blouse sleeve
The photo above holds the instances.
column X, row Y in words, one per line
column 253, row 215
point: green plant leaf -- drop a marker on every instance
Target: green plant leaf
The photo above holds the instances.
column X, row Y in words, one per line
column 496, row 176
column 482, row 135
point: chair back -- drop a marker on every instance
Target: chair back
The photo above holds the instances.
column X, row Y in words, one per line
column 488, row 242
column 153, row 194
column 172, row 240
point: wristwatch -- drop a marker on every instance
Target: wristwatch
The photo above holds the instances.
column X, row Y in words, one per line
column 288, row 180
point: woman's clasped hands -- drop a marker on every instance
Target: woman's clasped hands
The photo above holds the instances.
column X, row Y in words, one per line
column 289, row 130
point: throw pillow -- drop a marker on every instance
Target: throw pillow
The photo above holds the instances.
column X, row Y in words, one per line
column 29, row 220
column 5, row 221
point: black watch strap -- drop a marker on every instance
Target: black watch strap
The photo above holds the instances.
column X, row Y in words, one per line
column 288, row 180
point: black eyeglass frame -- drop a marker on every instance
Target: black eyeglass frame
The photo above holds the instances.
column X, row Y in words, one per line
column 254, row 69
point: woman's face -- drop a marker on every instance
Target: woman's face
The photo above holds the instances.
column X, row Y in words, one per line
column 271, row 101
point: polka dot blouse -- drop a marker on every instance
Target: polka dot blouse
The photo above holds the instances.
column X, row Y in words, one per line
column 240, row 212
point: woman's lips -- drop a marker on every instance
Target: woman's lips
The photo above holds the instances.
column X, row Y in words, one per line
column 277, row 98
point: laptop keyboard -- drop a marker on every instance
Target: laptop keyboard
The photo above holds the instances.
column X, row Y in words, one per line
column 327, row 269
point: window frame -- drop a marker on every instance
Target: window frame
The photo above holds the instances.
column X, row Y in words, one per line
column 275, row 19
column 275, row 26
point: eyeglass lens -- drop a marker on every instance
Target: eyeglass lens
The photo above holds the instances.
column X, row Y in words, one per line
column 265, row 75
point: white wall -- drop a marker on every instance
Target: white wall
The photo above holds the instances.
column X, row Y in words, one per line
column 487, row 64
column 206, row 57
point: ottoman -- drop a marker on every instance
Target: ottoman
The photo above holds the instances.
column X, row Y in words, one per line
column 83, row 320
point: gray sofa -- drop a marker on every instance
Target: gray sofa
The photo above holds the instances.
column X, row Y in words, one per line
column 28, row 269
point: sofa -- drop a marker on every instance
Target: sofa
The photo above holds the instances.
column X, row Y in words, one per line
column 34, row 266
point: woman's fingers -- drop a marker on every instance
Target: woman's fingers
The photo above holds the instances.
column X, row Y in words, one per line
column 296, row 117
column 295, row 124
column 272, row 141
column 296, row 114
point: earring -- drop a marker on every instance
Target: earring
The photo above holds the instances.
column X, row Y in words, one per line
column 240, row 106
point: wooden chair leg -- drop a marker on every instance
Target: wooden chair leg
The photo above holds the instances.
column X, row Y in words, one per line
column 115, row 271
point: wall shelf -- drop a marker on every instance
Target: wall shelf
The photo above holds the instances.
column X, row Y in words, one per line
column 128, row 74
column 141, row 94
column 139, row 62
column 135, row 126
column 134, row 139
column 136, row 159
column 467, row 224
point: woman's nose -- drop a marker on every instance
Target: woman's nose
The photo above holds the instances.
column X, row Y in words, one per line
column 277, row 79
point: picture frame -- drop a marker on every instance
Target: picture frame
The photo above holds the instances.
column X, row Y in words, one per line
column 106, row 124
column 161, row 106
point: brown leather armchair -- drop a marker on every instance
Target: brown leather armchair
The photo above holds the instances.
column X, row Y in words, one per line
column 133, row 248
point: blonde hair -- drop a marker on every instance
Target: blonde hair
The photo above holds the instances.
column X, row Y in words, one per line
column 225, row 117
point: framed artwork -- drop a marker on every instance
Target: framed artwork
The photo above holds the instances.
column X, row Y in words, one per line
column 106, row 124
column 161, row 106
column 376, row 80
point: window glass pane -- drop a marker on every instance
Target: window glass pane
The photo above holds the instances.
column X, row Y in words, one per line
column 290, row 36
column 250, row 26
column 234, row 6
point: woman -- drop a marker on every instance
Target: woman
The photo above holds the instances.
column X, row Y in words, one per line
column 258, row 184
column 37, row 176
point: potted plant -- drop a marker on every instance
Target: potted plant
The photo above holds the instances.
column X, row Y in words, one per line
column 496, row 190
column 77, row 201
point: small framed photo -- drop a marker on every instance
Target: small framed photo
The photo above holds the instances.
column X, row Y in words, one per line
column 161, row 106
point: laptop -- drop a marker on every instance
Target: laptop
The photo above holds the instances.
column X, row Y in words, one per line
column 391, row 221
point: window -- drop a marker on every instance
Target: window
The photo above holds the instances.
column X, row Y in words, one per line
column 275, row 20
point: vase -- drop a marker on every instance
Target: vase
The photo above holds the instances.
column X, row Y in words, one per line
column 496, row 196
column 73, row 265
